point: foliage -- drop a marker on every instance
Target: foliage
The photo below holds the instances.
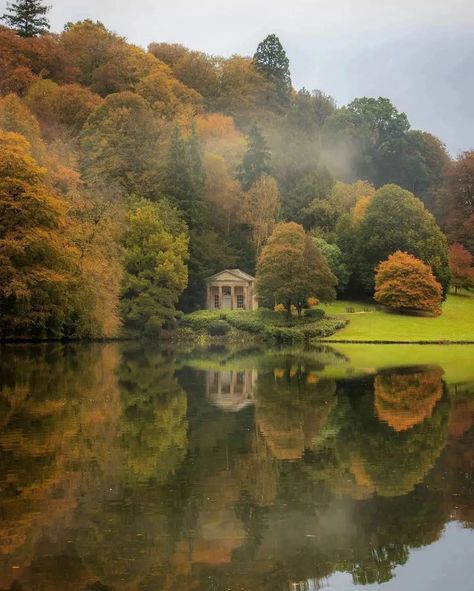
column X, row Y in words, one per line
column 291, row 268
column 184, row 177
column 155, row 272
column 403, row 282
column 119, row 142
column 28, row 17
column 334, row 258
column 256, row 160
column 270, row 59
column 457, row 201
column 37, row 264
column 260, row 208
column 314, row 313
column 461, row 266
column 396, row 220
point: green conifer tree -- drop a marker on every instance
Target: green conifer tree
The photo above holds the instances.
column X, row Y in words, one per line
column 27, row 17
column 256, row 160
column 270, row 58
column 184, row 177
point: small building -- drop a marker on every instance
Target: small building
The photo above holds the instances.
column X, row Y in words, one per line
column 231, row 289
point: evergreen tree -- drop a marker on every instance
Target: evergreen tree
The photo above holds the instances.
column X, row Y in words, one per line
column 28, row 17
column 256, row 160
column 270, row 59
column 184, row 176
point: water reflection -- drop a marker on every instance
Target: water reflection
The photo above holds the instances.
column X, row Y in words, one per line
column 125, row 468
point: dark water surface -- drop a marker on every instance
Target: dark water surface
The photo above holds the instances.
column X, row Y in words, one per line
column 129, row 469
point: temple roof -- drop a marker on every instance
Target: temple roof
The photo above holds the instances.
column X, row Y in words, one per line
column 237, row 273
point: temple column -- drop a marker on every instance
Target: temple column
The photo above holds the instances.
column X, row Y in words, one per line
column 209, row 303
column 220, row 297
column 232, row 298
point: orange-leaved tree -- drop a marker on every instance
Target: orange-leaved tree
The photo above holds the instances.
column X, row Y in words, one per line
column 403, row 282
column 291, row 269
column 460, row 263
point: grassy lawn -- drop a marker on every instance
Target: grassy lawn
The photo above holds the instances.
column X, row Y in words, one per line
column 368, row 323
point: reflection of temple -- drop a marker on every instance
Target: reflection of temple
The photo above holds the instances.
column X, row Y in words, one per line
column 231, row 390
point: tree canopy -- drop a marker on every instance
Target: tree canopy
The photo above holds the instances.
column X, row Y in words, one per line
column 28, row 17
column 291, row 269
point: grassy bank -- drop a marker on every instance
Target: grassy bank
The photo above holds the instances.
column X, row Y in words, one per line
column 237, row 326
column 370, row 323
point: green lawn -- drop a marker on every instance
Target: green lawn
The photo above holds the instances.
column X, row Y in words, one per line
column 370, row 323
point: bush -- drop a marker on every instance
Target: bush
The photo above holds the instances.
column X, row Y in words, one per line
column 316, row 313
column 218, row 328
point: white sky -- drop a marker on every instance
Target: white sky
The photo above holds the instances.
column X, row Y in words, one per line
column 419, row 53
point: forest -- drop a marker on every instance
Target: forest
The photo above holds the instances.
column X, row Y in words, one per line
column 128, row 176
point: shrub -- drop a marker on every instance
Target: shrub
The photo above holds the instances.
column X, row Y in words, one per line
column 312, row 302
column 315, row 313
column 280, row 308
column 218, row 328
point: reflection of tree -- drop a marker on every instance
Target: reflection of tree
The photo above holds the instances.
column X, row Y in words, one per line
column 293, row 406
column 407, row 398
column 395, row 461
column 154, row 424
column 50, row 416
column 122, row 527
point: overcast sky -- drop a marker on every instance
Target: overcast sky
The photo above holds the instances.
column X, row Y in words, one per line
column 419, row 53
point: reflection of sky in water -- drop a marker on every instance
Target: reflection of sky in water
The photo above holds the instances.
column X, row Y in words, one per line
column 447, row 564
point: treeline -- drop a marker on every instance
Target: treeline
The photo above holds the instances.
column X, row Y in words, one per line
column 129, row 176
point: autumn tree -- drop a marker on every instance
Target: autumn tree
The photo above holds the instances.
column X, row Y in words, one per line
column 396, row 220
column 457, row 207
column 37, row 264
column 256, row 159
column 405, row 283
column 270, row 59
column 28, row 17
column 65, row 106
column 222, row 192
column 119, row 143
column 243, row 90
column 291, row 269
column 461, row 265
column 260, row 209
column 155, row 272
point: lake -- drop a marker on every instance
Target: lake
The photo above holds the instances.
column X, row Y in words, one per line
column 128, row 468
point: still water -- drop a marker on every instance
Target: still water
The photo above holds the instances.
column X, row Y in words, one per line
column 127, row 468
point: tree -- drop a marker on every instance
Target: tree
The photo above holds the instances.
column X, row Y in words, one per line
column 184, row 176
column 222, row 192
column 63, row 107
column 405, row 283
column 396, row 220
column 457, row 211
column 37, row 264
column 242, row 90
column 335, row 260
column 304, row 201
column 291, row 269
column 260, row 209
column 270, row 59
column 156, row 252
column 119, row 143
column 462, row 270
column 28, row 17
column 256, row 159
